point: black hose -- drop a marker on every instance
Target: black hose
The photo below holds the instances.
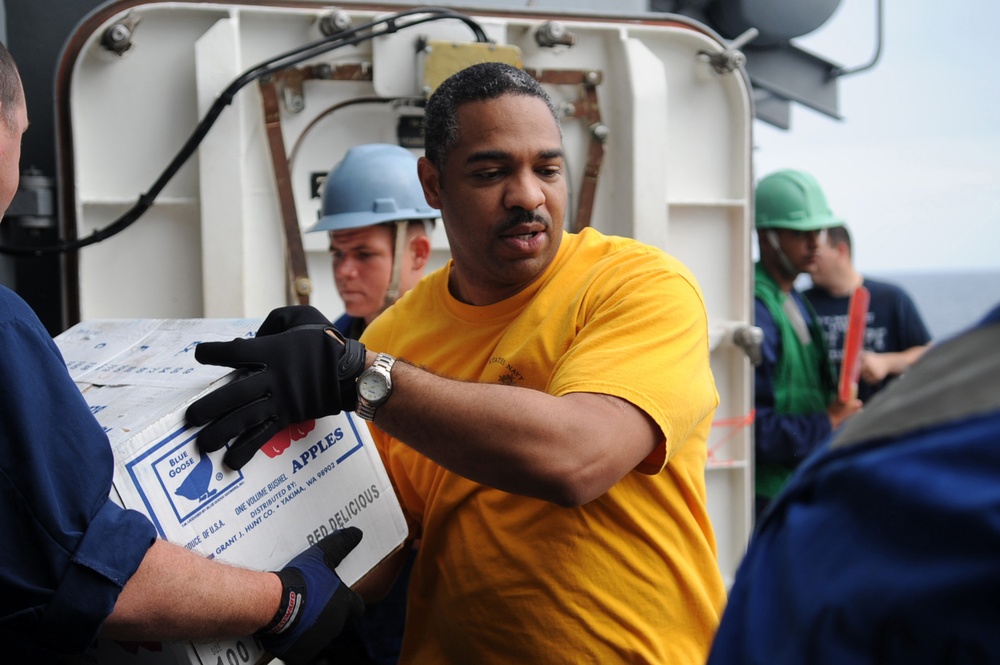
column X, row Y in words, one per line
column 348, row 37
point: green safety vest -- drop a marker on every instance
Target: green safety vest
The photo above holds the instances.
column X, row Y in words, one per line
column 803, row 376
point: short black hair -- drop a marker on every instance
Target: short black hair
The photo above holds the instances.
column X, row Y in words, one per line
column 477, row 83
column 11, row 91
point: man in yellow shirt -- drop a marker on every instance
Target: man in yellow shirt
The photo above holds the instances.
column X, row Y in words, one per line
column 546, row 419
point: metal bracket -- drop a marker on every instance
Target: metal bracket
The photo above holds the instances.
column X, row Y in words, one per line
column 750, row 339
column 118, row 37
column 732, row 57
column 554, row 33
column 292, row 93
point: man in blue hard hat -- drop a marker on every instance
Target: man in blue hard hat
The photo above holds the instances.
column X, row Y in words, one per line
column 794, row 389
column 379, row 224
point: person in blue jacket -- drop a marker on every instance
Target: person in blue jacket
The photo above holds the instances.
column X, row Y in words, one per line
column 75, row 564
column 882, row 548
column 795, row 398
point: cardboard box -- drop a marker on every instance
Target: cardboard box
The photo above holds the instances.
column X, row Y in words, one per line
column 139, row 376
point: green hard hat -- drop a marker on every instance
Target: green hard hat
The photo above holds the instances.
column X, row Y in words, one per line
column 792, row 199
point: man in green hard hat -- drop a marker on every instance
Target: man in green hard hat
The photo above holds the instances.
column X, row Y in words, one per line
column 795, row 393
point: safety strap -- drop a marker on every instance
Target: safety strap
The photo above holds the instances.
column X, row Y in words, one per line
column 392, row 291
column 799, row 325
column 298, row 273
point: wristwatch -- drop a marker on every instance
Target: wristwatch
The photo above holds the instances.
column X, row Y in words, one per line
column 375, row 386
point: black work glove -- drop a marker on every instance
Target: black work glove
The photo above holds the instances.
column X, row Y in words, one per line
column 294, row 371
column 293, row 316
column 315, row 603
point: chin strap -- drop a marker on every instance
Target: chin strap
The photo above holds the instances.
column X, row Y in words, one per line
column 772, row 239
column 392, row 292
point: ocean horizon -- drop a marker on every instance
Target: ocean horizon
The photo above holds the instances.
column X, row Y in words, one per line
column 948, row 301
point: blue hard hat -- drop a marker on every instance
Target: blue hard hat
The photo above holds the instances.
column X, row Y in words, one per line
column 373, row 184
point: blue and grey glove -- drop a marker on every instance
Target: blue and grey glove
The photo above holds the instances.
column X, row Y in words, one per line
column 315, row 603
column 297, row 368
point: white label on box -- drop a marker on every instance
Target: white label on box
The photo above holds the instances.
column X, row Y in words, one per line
column 305, row 483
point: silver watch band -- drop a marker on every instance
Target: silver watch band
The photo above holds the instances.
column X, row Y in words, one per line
column 365, row 411
column 383, row 364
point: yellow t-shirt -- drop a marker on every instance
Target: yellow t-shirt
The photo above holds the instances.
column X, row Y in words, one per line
column 630, row 577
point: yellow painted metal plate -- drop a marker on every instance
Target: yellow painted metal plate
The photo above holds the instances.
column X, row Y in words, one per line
column 444, row 58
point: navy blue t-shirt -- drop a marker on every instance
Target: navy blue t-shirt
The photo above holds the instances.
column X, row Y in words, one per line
column 893, row 325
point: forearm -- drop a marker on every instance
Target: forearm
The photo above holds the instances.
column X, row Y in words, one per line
column 901, row 361
column 517, row 439
column 178, row 594
column 877, row 366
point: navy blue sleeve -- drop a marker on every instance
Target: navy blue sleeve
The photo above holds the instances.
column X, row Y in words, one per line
column 912, row 331
column 823, row 582
column 894, row 323
column 993, row 316
column 74, row 549
column 343, row 324
column 781, row 438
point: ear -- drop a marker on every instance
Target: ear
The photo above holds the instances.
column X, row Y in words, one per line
column 420, row 246
column 430, row 180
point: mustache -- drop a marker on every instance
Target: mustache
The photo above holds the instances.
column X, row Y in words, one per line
column 522, row 216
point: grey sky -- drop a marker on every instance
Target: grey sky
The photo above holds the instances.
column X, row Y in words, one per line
column 914, row 167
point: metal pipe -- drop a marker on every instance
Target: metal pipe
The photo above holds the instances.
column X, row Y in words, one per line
column 837, row 72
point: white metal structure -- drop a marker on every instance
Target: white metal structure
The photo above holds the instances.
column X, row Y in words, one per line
column 671, row 128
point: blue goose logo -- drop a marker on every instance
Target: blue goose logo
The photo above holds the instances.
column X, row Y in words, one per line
column 196, row 485
column 174, row 469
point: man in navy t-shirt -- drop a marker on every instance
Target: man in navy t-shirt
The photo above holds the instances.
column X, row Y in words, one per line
column 895, row 334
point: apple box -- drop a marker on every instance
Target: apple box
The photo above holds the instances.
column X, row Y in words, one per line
column 139, row 376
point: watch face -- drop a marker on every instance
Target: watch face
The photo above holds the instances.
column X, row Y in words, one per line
column 372, row 387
